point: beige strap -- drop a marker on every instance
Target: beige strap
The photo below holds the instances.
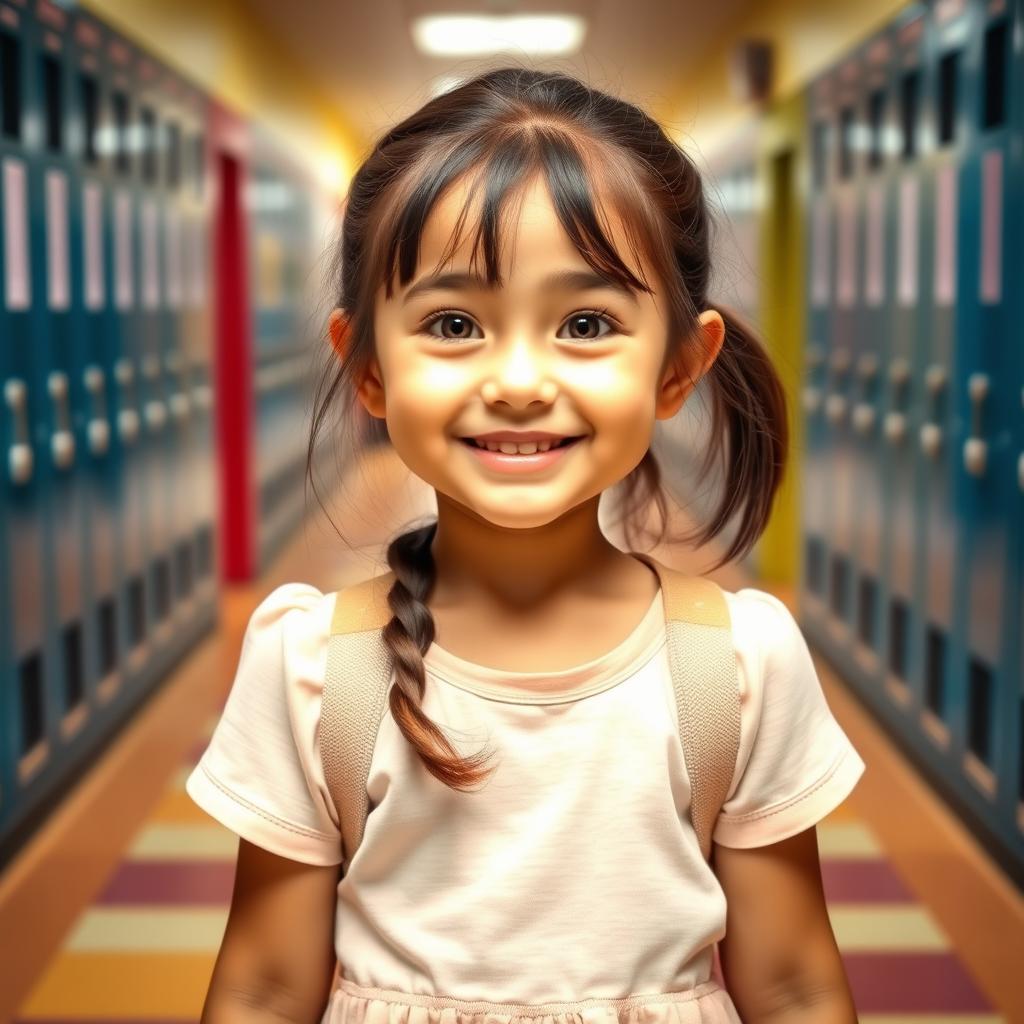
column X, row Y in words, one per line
column 702, row 662
column 701, row 659
column 355, row 694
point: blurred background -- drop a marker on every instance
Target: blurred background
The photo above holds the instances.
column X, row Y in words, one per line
column 171, row 181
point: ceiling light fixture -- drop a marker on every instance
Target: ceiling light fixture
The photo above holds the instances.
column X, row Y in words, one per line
column 464, row 35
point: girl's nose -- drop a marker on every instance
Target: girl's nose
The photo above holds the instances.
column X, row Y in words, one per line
column 521, row 376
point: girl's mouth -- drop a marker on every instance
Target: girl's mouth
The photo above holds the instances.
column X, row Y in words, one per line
column 518, row 463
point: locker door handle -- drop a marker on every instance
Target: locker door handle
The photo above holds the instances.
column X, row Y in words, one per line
column 127, row 417
column 895, row 427
column 19, row 455
column 156, row 414
column 62, row 443
column 203, row 396
column 812, row 399
column 931, row 439
column 975, row 447
column 180, row 405
column 98, row 428
column 835, row 409
column 863, row 418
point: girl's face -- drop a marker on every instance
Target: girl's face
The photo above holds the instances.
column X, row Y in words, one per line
column 555, row 350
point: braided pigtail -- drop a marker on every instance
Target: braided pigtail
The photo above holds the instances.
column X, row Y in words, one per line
column 408, row 635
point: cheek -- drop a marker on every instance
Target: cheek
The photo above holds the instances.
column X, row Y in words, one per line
column 618, row 397
column 423, row 398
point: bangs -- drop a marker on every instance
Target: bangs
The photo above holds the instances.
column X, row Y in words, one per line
column 584, row 184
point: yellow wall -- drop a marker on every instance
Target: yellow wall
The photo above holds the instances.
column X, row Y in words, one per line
column 806, row 36
column 217, row 45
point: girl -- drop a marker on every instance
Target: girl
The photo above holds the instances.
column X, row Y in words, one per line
column 563, row 882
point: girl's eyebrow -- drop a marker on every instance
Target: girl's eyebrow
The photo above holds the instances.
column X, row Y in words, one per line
column 568, row 280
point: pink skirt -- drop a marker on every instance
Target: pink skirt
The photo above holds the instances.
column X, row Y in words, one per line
column 707, row 1003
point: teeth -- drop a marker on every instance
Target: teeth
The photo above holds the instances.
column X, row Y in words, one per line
column 510, row 448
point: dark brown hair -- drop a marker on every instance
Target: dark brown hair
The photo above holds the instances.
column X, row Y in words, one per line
column 496, row 131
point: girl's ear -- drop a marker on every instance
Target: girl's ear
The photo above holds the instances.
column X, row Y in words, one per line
column 339, row 332
column 371, row 388
column 682, row 376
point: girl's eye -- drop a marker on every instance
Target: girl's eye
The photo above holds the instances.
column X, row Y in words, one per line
column 461, row 326
column 583, row 321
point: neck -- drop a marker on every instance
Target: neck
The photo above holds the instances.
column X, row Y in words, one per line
column 521, row 569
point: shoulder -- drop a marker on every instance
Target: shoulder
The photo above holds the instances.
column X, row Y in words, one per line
column 766, row 636
column 290, row 628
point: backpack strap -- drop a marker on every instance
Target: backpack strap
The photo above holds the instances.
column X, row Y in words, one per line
column 702, row 661
column 355, row 694
column 701, row 658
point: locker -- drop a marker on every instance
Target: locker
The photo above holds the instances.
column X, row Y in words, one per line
column 865, row 158
column 988, row 402
column 901, row 381
column 816, row 504
column 27, row 650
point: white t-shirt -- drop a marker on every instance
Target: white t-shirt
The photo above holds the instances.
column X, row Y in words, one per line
column 574, row 872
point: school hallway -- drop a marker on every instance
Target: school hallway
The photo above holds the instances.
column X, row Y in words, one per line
column 173, row 181
column 116, row 910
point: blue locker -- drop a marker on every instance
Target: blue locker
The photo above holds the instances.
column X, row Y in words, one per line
column 987, row 400
column 864, row 158
column 843, row 348
column 90, row 288
column 816, row 500
column 122, row 325
column 900, row 462
column 27, row 651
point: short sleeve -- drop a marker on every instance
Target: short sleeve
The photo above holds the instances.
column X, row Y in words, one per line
column 795, row 763
column 260, row 776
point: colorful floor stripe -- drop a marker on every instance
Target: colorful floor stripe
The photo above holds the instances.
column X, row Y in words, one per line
column 143, row 953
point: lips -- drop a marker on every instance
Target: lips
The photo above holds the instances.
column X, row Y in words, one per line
column 556, row 442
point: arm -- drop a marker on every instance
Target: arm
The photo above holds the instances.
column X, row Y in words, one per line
column 276, row 960
column 779, row 957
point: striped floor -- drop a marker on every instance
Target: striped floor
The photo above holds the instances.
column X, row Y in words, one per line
column 145, row 950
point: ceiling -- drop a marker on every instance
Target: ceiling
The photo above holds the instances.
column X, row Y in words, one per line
column 362, row 54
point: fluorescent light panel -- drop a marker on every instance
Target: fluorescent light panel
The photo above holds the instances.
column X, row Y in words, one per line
column 464, row 35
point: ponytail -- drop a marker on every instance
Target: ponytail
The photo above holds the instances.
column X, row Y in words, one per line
column 750, row 436
column 408, row 636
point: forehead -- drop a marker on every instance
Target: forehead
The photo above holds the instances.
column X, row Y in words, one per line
column 528, row 230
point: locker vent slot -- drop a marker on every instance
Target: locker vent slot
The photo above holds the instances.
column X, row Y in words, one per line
column 108, row 635
column 198, row 164
column 73, row 674
column 148, row 119
column 846, row 128
column 30, row 675
column 815, row 566
column 993, row 111
column 876, row 123
column 90, row 117
column 184, row 559
column 121, row 118
column 173, row 155
column 162, row 587
column 935, row 670
column 979, row 702
column 204, row 550
column 908, row 113
column 10, row 85
column 53, row 97
column 898, row 638
column 137, row 611
column 948, row 68
column 866, row 611
column 840, row 576
column 819, row 154
column 1020, row 754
